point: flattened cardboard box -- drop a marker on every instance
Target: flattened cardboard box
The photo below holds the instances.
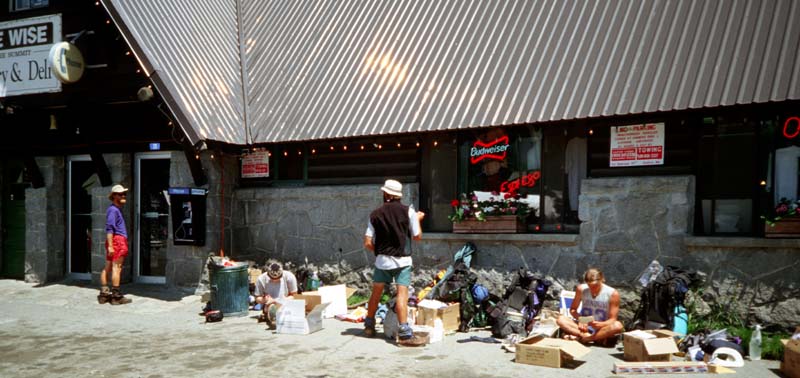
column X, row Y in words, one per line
column 292, row 318
column 660, row 367
column 790, row 366
column 450, row 315
column 546, row 351
column 659, row 348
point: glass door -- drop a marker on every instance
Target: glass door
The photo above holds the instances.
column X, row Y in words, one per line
column 80, row 178
column 152, row 217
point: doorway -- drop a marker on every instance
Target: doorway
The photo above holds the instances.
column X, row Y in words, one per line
column 151, row 217
column 13, row 221
column 80, row 178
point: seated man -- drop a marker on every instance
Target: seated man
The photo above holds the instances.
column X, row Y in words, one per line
column 599, row 301
column 272, row 285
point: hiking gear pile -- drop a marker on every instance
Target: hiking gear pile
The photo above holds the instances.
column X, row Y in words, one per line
column 662, row 295
column 514, row 313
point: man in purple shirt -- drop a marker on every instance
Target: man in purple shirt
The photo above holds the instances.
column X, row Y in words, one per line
column 116, row 248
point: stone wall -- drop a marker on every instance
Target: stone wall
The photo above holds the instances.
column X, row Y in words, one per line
column 185, row 264
column 45, row 228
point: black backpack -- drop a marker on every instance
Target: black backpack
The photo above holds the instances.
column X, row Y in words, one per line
column 525, row 295
column 662, row 295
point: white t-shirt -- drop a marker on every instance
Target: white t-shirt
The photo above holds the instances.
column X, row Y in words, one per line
column 276, row 290
column 385, row 262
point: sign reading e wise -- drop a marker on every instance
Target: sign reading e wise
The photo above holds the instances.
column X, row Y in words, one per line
column 24, row 55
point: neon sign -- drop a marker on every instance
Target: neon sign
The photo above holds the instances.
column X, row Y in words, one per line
column 787, row 125
column 493, row 150
column 529, row 180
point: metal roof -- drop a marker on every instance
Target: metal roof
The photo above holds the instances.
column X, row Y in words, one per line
column 191, row 51
column 319, row 69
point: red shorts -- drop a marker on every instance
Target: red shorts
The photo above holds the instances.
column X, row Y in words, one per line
column 120, row 248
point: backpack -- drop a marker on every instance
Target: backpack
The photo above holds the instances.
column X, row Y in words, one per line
column 524, row 296
column 662, row 295
column 458, row 288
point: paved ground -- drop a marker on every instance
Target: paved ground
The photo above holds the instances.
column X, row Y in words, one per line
column 59, row 330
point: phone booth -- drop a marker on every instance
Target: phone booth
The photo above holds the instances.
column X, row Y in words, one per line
column 188, row 215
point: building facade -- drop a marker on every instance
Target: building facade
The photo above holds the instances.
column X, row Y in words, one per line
column 634, row 130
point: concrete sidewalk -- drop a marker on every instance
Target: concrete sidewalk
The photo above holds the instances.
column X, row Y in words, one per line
column 60, row 331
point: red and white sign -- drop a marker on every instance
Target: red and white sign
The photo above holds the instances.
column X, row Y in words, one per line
column 495, row 150
column 529, row 180
column 637, row 145
column 255, row 164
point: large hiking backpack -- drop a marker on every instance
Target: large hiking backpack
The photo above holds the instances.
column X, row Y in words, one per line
column 520, row 304
column 458, row 288
column 662, row 295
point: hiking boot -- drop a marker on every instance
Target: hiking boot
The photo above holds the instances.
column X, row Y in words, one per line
column 118, row 299
column 405, row 332
column 104, row 297
column 369, row 327
column 416, row 339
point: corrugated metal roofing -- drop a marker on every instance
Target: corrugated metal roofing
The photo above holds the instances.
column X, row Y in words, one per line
column 192, row 48
column 318, row 69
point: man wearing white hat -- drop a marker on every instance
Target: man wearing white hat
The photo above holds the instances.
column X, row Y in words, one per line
column 116, row 248
column 388, row 231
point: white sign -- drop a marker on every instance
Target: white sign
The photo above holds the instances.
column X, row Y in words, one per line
column 24, row 55
column 637, row 145
column 67, row 62
column 255, row 164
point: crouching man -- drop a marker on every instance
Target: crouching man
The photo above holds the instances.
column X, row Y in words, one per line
column 272, row 285
column 599, row 301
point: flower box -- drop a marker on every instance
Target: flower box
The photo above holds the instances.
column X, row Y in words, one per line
column 501, row 224
column 783, row 228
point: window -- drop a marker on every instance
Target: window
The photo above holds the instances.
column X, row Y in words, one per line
column 728, row 176
column 21, row 5
column 529, row 161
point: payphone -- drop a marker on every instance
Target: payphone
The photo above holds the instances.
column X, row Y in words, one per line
column 188, row 215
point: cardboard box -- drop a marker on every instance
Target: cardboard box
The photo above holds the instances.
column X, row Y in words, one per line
column 450, row 315
column 292, row 319
column 254, row 274
column 654, row 345
column 334, row 295
column 660, row 367
column 545, row 351
column 790, row 366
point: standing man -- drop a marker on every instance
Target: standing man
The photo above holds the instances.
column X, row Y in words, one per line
column 388, row 232
column 599, row 301
column 116, row 248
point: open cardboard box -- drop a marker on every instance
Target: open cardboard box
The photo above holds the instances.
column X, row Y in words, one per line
column 790, row 366
column 336, row 295
column 292, row 319
column 450, row 315
column 652, row 345
column 546, row 351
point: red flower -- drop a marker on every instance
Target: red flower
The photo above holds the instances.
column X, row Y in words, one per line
column 454, row 203
column 507, row 195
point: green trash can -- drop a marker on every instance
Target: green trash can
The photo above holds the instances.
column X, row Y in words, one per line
column 230, row 289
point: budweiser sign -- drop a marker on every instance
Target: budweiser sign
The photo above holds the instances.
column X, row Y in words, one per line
column 495, row 150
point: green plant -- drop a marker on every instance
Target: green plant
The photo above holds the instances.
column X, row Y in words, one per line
column 783, row 209
column 356, row 299
column 468, row 206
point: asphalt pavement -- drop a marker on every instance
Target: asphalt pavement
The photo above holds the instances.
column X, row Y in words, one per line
column 59, row 330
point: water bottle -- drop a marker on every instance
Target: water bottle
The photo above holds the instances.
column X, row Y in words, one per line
column 313, row 282
column 755, row 344
column 650, row 274
column 681, row 318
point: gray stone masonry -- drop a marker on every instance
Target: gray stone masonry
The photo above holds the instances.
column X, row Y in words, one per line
column 45, row 224
column 120, row 166
column 626, row 223
column 186, row 264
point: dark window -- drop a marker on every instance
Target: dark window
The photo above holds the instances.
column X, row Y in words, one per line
column 21, row 5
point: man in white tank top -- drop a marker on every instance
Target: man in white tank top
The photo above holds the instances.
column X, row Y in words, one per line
column 601, row 302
